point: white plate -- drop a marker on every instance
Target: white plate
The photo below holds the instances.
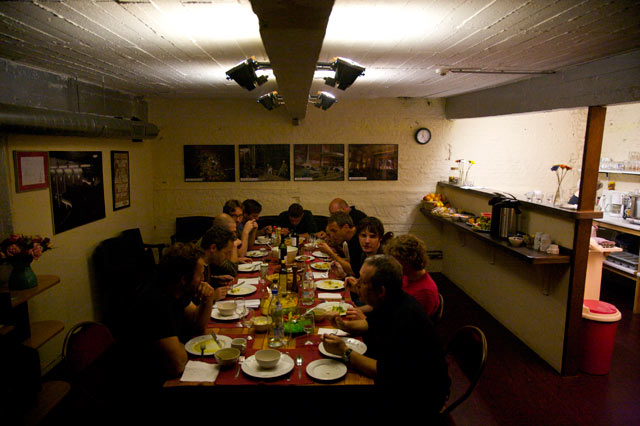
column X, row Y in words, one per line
column 248, row 267
column 257, row 253
column 326, row 369
column 304, row 257
column 225, row 341
column 263, row 241
column 330, row 284
column 320, row 254
column 239, row 313
column 250, row 366
column 354, row 344
column 321, row 266
column 242, row 290
column 328, row 306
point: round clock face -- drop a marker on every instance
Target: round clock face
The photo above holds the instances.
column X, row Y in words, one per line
column 423, row 135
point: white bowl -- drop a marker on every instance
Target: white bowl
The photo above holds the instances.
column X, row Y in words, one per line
column 227, row 356
column 515, row 241
column 261, row 323
column 226, row 308
column 267, row 358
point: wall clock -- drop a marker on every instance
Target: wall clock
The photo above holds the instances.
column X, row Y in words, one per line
column 423, row 135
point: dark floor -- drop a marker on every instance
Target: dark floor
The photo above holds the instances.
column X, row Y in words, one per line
column 519, row 388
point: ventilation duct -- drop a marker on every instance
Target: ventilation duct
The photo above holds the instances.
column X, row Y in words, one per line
column 39, row 121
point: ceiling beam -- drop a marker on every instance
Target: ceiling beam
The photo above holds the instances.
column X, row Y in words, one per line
column 292, row 33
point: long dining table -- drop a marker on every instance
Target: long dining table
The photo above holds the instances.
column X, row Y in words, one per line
column 235, row 378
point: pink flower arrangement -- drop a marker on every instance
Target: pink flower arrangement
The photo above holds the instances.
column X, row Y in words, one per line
column 23, row 248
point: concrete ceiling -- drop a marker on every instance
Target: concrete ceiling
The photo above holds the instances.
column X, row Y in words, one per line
column 182, row 48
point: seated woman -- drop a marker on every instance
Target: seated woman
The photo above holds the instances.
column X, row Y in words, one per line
column 411, row 252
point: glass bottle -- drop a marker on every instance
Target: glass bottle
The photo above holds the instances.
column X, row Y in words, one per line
column 283, row 250
column 308, row 285
column 294, row 283
column 282, row 277
column 294, row 238
column 276, row 336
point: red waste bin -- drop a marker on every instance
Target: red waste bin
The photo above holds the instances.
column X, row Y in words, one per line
column 599, row 325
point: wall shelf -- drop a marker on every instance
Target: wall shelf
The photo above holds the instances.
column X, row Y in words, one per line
column 532, row 256
column 618, row 172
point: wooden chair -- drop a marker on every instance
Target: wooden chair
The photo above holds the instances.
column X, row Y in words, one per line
column 437, row 315
column 468, row 348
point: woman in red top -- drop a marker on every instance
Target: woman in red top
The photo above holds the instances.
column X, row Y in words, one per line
column 411, row 252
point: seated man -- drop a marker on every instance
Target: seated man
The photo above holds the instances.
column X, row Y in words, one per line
column 235, row 210
column 411, row 252
column 299, row 219
column 218, row 245
column 340, row 205
column 251, row 213
column 422, row 384
column 239, row 248
column 344, row 239
column 170, row 311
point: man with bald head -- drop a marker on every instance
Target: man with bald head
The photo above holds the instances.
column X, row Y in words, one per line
column 340, row 205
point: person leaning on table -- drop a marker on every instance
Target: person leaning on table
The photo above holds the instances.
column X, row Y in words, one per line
column 170, row 311
column 404, row 356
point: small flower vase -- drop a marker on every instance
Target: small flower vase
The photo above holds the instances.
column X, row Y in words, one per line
column 22, row 276
column 556, row 197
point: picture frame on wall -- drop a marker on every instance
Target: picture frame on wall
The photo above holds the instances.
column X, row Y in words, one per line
column 76, row 187
column 373, row 162
column 31, row 170
column 209, row 163
column 318, row 162
column 264, row 162
column 120, row 184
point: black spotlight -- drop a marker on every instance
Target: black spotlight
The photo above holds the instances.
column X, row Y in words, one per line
column 324, row 100
column 270, row 100
column 346, row 73
column 245, row 74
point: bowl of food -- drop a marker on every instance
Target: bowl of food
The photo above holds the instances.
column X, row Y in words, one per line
column 267, row 358
column 227, row 356
column 515, row 241
column 261, row 323
column 226, row 308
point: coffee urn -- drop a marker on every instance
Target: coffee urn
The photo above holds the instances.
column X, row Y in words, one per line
column 504, row 216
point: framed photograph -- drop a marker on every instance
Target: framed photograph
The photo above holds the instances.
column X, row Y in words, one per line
column 120, row 179
column 318, row 162
column 209, row 163
column 373, row 162
column 264, row 163
column 77, row 188
column 31, row 170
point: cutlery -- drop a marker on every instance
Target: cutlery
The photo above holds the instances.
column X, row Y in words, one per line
column 201, row 351
column 240, row 361
column 299, row 364
column 215, row 338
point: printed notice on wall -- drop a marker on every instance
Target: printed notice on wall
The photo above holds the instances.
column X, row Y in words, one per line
column 120, row 178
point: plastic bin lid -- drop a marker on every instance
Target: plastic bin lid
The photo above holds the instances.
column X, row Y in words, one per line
column 597, row 310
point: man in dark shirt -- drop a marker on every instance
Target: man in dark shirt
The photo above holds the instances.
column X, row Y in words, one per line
column 340, row 205
column 345, row 247
column 218, row 244
column 296, row 217
column 403, row 355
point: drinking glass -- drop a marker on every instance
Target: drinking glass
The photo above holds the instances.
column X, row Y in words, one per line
column 245, row 321
column 308, row 325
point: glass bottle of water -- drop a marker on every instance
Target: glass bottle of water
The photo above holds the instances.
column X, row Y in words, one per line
column 276, row 337
column 308, row 285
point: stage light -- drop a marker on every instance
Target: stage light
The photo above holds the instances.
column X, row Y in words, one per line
column 270, row 100
column 323, row 100
column 346, row 73
column 245, row 74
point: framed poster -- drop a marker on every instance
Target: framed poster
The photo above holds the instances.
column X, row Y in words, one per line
column 373, row 162
column 209, row 163
column 77, row 188
column 264, row 162
column 318, row 162
column 31, row 170
column 120, row 179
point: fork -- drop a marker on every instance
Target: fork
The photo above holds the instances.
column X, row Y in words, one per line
column 215, row 338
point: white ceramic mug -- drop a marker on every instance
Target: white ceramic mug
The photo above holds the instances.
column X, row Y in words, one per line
column 240, row 344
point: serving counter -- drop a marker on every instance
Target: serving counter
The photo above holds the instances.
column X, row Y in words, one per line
column 526, row 290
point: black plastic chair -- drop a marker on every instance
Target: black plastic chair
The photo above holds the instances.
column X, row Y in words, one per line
column 321, row 222
column 264, row 221
column 138, row 248
column 190, row 229
column 468, row 348
column 437, row 315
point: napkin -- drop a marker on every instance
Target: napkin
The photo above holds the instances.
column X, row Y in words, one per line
column 320, row 275
column 335, row 331
column 330, row 296
column 252, row 303
column 198, row 371
column 252, row 281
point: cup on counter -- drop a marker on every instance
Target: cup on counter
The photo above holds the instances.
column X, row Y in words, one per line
column 240, row 344
column 553, row 249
